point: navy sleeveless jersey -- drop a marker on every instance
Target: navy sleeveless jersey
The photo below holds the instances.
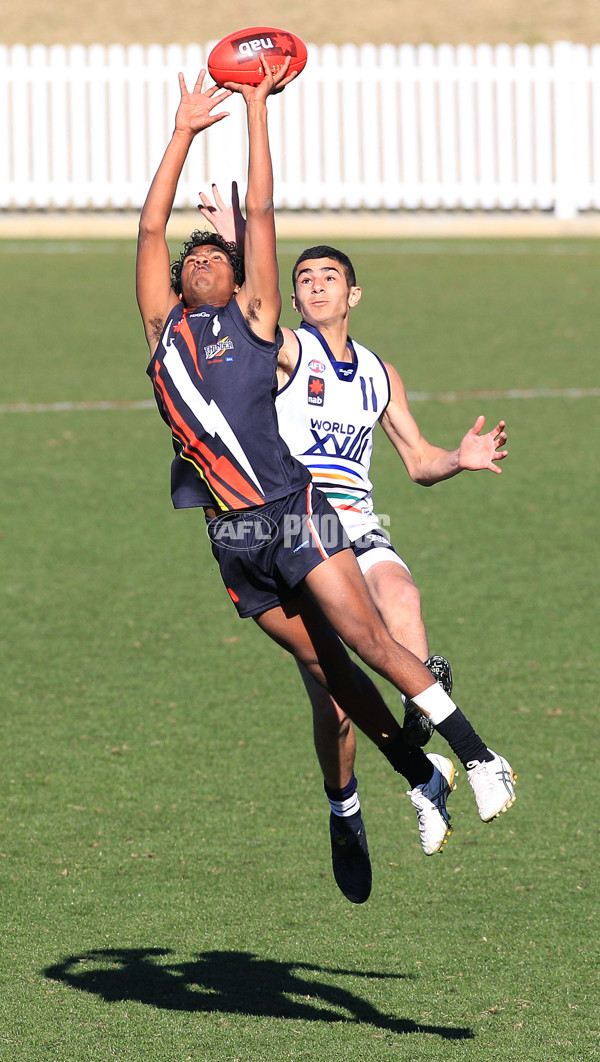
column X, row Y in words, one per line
column 215, row 384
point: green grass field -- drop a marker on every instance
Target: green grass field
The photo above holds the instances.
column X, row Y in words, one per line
column 164, row 855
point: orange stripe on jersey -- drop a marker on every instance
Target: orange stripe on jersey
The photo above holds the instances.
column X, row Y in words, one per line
column 217, row 486
column 311, row 525
column 190, row 342
column 230, row 485
column 218, row 491
column 223, row 468
column 202, row 458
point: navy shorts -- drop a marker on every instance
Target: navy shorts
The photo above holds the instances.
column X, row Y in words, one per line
column 264, row 553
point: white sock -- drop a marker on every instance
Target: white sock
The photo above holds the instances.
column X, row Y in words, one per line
column 345, row 808
column 436, row 703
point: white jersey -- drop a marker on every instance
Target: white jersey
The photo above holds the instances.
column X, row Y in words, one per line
column 327, row 412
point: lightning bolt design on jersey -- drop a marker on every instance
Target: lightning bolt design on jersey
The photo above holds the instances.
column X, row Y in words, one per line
column 207, row 413
column 214, row 381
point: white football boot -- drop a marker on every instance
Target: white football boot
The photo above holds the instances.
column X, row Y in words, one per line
column 493, row 785
column 429, row 801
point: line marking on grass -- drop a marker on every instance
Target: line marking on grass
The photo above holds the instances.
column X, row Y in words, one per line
column 76, row 407
column 413, row 396
column 455, row 246
column 519, row 393
column 43, row 246
column 385, row 245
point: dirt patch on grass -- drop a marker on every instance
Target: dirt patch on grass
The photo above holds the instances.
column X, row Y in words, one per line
column 396, row 21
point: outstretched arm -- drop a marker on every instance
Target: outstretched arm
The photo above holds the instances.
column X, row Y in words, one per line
column 427, row 464
column 259, row 298
column 155, row 295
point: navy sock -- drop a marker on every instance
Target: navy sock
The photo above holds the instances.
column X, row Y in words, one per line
column 409, row 760
column 463, row 740
column 348, row 823
column 347, row 819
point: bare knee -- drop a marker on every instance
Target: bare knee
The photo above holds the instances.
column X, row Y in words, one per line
column 329, row 720
column 313, row 677
column 395, row 596
column 405, row 616
column 410, row 598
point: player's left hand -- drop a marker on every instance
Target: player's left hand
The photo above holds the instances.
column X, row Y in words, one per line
column 229, row 221
column 478, row 451
column 271, row 82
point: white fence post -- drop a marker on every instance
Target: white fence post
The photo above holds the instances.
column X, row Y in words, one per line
column 543, row 147
column 78, row 120
column 410, row 188
column 486, row 124
column 428, row 126
column 4, row 126
column 466, row 133
column 390, row 126
column 58, row 128
column 19, row 119
column 565, row 195
column 595, row 124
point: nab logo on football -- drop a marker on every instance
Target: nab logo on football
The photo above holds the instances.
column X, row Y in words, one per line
column 277, row 44
column 316, row 391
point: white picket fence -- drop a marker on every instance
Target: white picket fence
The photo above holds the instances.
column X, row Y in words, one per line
column 363, row 128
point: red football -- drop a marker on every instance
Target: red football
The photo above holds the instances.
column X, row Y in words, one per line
column 237, row 57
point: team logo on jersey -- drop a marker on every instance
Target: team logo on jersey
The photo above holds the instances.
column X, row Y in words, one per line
column 316, row 391
column 215, row 351
column 316, row 366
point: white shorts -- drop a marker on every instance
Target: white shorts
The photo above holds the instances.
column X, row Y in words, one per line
column 374, row 547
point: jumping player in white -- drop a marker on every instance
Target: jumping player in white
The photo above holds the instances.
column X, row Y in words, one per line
column 332, row 393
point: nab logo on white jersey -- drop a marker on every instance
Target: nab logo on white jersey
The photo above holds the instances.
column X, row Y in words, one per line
column 316, row 391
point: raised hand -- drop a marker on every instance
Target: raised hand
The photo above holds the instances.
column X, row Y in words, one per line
column 270, row 84
column 194, row 111
column 478, row 451
column 227, row 220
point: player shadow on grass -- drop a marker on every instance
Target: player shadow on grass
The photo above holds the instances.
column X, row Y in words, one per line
column 231, row 982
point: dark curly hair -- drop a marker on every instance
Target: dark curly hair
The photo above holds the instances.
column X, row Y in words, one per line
column 201, row 239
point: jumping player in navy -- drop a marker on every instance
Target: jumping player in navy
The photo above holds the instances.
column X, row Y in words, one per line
column 213, row 341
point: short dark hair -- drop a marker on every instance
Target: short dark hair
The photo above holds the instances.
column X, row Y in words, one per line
column 324, row 251
column 210, row 239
